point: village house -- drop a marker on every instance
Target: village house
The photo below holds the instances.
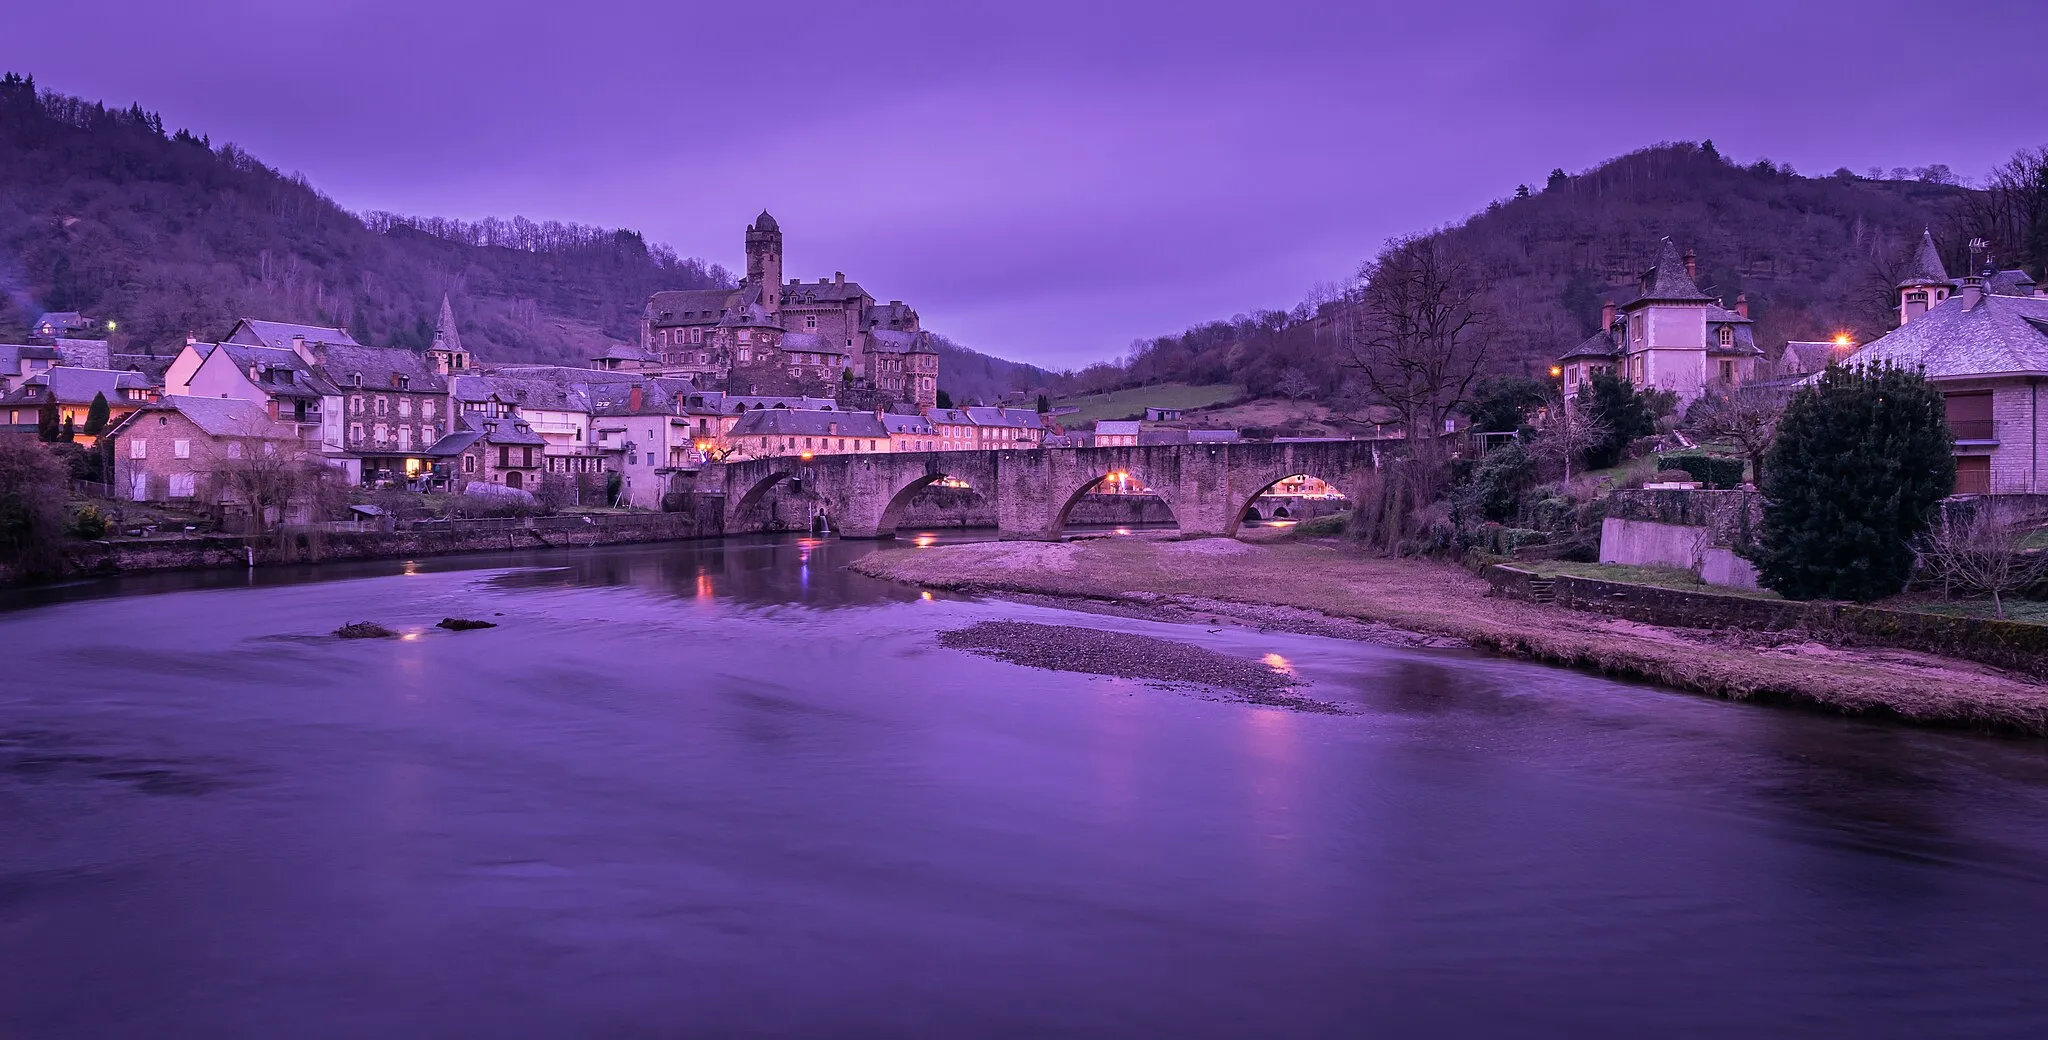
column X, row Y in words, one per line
column 644, row 424
column 73, row 389
column 954, row 428
column 772, row 432
column 557, row 410
column 494, row 449
column 19, row 361
column 1669, row 335
column 765, row 335
column 910, row 432
column 61, row 324
column 1113, row 433
column 1002, row 428
column 1983, row 342
column 185, row 449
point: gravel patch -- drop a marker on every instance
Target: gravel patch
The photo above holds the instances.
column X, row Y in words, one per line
column 1069, row 649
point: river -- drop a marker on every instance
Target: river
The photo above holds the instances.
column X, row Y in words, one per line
column 728, row 788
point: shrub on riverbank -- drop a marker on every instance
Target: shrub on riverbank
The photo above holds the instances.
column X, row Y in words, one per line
column 33, row 487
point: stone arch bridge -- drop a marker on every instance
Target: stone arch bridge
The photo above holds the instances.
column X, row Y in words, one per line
column 1208, row 487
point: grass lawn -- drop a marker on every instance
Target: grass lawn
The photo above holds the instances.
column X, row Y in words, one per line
column 1130, row 404
column 2030, row 611
column 1658, row 577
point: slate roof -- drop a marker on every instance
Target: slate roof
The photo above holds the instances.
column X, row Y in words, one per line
column 220, row 417
column 279, row 333
column 690, row 306
column 1802, row 357
column 764, row 222
column 753, row 403
column 1116, row 428
column 784, row 422
column 69, row 385
column 1668, row 283
column 554, row 394
column 12, row 353
column 625, row 352
column 1012, row 418
column 907, row 425
column 1925, row 267
column 152, row 366
column 2009, row 283
column 1999, row 336
column 85, row 353
column 297, row 380
column 505, row 429
column 956, row 416
column 891, row 314
column 800, row 293
column 895, row 340
column 62, row 320
column 1600, row 344
column 1213, row 436
column 340, row 363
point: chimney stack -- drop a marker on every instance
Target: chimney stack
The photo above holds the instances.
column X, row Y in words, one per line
column 1742, row 304
column 839, row 278
column 634, row 399
column 1692, row 268
column 271, row 407
column 1606, row 314
column 1973, row 291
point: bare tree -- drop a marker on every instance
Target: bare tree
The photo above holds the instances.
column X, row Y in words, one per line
column 1746, row 415
column 263, row 473
column 1982, row 554
column 2012, row 209
column 1294, row 384
column 1566, row 433
column 1418, row 331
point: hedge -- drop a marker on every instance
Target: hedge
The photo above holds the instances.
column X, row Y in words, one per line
column 1715, row 471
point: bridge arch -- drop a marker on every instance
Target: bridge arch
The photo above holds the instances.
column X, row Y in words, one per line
column 892, row 513
column 1058, row 527
column 1343, row 482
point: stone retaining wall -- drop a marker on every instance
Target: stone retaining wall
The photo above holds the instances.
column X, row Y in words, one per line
column 2014, row 645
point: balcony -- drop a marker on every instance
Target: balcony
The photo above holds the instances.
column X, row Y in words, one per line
column 1974, row 431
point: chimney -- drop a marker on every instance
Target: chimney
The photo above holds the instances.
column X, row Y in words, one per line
column 839, row 278
column 634, row 399
column 394, row 380
column 272, row 408
column 1606, row 314
column 1692, row 267
column 1973, row 291
column 1742, row 304
column 191, row 338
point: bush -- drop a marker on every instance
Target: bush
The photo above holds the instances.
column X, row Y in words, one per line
column 89, row 523
column 1673, row 476
column 33, row 487
column 1498, row 480
column 1715, row 471
column 1862, row 459
column 555, row 491
column 1613, row 403
column 1324, row 526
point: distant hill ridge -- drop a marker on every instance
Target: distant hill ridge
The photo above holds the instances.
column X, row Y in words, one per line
column 108, row 214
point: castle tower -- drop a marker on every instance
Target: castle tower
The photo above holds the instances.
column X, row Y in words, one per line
column 447, row 355
column 1925, row 282
column 764, row 262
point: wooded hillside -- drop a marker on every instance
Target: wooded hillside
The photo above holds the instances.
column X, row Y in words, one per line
column 106, row 213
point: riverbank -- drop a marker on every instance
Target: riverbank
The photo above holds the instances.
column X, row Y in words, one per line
column 1325, row 588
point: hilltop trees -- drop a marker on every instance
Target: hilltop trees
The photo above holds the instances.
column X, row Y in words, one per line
column 1861, row 459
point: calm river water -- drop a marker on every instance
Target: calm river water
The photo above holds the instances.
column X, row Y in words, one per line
column 729, row 789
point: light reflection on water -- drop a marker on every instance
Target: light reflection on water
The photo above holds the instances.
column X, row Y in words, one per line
column 734, row 785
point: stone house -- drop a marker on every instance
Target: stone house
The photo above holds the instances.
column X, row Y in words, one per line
column 1111, row 433
column 500, row 450
column 177, row 449
column 956, row 431
column 1669, row 335
column 1003, row 428
column 910, row 432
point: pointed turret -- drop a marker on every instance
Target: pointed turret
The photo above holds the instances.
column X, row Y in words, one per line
column 1670, row 281
column 447, row 354
column 1925, row 282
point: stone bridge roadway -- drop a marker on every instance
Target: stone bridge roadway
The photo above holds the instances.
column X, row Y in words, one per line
column 1207, row 486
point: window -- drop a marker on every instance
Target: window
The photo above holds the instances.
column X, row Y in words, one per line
column 1727, row 336
column 355, row 431
column 1727, row 371
column 810, row 321
column 526, row 455
column 504, row 456
column 405, row 407
column 138, row 449
column 469, row 464
column 181, row 449
column 234, row 449
column 382, row 434
column 1635, row 327
column 355, row 404
column 356, row 380
column 427, row 409
column 405, row 438
column 426, row 435
column 383, row 405
column 181, row 485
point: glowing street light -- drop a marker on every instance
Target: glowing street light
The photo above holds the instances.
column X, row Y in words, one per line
column 1842, row 341
column 1556, row 371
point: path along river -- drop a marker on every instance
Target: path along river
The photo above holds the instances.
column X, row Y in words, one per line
column 716, row 789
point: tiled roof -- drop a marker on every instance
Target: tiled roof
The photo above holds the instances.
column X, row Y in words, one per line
column 1013, row 418
column 69, row 385
column 690, row 306
column 800, row 293
column 776, row 422
column 1925, row 267
column 280, row 333
column 222, row 417
column 2000, row 335
column 1116, row 428
column 505, row 430
column 1598, row 345
column 341, row 363
column 1667, row 282
column 2009, row 283
column 913, row 425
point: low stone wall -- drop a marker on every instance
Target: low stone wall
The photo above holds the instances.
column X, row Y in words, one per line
column 313, row 546
column 1697, row 531
column 2014, row 645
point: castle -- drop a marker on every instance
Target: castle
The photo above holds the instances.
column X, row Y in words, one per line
column 801, row 337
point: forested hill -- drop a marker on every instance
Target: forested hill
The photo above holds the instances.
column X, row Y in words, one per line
column 102, row 211
column 1816, row 255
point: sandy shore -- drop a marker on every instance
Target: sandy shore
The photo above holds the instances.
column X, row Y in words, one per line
column 1324, row 588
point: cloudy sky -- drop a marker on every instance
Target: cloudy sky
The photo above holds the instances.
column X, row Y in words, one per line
column 1043, row 180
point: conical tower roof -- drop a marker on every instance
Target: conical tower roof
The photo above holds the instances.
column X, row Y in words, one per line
column 1668, row 282
column 764, row 222
column 1926, row 268
column 445, row 337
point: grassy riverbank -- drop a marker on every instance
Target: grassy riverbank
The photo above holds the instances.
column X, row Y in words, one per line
column 1329, row 588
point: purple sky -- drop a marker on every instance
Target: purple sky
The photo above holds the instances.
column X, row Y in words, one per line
column 1043, row 180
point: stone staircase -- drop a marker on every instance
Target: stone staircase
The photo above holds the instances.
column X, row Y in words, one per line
column 1543, row 590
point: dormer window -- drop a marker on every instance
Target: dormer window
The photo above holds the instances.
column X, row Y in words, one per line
column 1727, row 336
column 357, row 379
column 404, row 382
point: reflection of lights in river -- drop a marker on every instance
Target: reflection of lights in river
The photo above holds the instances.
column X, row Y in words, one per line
column 1281, row 523
column 412, row 567
column 1123, row 530
column 927, row 594
column 1279, row 664
column 924, row 541
column 704, row 587
column 408, row 636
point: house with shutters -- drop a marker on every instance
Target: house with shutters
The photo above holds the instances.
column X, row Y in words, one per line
column 178, row 449
column 73, row 390
column 502, row 450
column 1983, row 341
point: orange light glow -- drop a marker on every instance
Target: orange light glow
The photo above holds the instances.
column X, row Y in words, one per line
column 927, row 596
column 1842, row 339
column 806, row 456
column 1279, row 664
column 924, row 541
column 1556, row 371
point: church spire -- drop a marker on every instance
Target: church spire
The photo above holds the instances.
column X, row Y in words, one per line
column 1925, row 282
column 447, row 353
